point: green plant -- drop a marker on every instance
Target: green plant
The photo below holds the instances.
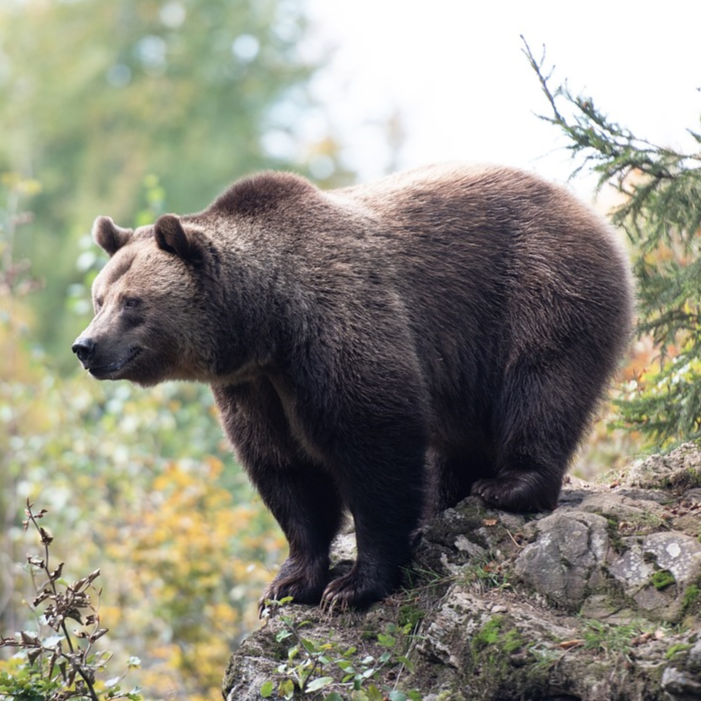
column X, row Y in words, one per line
column 411, row 614
column 61, row 665
column 609, row 638
column 692, row 594
column 662, row 579
column 496, row 631
column 329, row 672
column 674, row 649
column 487, row 574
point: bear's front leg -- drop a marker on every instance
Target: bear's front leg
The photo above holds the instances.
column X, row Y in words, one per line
column 304, row 581
column 302, row 496
column 305, row 502
column 385, row 493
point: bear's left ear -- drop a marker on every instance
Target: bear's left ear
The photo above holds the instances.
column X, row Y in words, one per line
column 109, row 236
column 172, row 237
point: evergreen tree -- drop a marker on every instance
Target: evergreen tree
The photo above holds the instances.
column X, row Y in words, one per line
column 661, row 214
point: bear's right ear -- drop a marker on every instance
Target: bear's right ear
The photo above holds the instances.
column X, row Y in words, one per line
column 172, row 237
column 109, row 236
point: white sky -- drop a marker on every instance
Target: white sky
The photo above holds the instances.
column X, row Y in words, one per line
column 455, row 71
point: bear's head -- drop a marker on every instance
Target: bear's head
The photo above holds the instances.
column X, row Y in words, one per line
column 150, row 319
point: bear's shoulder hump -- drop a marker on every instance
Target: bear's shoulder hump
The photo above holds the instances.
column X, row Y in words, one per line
column 264, row 192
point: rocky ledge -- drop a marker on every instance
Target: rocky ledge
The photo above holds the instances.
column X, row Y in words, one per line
column 595, row 601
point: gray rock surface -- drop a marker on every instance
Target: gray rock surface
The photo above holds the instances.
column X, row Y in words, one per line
column 598, row 600
column 567, row 559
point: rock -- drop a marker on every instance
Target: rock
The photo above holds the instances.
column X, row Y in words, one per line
column 598, row 600
column 642, row 510
column 681, row 680
column 566, row 560
column 681, row 469
column 656, row 570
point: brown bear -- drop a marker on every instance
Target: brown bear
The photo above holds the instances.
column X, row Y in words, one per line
column 385, row 349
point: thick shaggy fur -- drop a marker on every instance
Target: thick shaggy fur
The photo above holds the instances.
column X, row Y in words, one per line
column 385, row 349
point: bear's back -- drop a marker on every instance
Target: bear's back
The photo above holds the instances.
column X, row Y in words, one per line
column 521, row 253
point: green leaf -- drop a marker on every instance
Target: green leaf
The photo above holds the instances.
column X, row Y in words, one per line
column 386, row 640
column 309, row 645
column 319, row 683
column 287, row 689
column 266, row 691
column 406, row 662
column 397, row 696
column 374, row 694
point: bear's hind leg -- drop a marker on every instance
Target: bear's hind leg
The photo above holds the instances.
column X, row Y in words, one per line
column 544, row 409
column 452, row 477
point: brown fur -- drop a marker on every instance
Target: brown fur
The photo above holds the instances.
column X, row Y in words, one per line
column 386, row 349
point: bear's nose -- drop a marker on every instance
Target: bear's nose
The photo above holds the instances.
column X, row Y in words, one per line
column 84, row 348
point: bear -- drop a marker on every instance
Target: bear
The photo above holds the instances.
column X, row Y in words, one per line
column 382, row 350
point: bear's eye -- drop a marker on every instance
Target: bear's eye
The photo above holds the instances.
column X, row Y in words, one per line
column 97, row 304
column 131, row 303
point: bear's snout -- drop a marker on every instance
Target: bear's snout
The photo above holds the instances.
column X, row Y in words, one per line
column 84, row 348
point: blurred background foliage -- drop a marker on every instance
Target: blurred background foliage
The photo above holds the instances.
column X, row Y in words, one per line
column 99, row 98
column 133, row 108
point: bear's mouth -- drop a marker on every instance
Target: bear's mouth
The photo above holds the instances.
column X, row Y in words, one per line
column 103, row 372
